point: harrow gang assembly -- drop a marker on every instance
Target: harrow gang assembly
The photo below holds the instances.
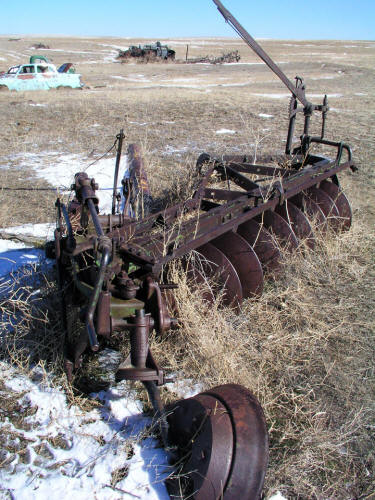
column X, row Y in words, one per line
column 242, row 220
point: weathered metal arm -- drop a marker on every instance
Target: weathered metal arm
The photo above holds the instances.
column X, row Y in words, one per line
column 296, row 91
column 120, row 137
column 85, row 191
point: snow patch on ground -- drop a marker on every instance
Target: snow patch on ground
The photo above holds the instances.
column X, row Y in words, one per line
column 38, row 230
column 59, row 169
column 181, row 83
column 120, row 47
column 70, row 51
column 243, row 63
column 77, row 453
column 272, row 96
column 169, row 150
column 277, row 496
column 184, row 388
column 140, row 124
column 137, row 79
column 328, row 95
column 184, row 41
column 225, row 131
column 327, row 77
column 242, row 84
column 181, row 79
column 14, row 255
column 10, row 245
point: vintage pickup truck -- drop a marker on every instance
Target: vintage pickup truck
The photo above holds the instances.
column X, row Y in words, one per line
column 39, row 74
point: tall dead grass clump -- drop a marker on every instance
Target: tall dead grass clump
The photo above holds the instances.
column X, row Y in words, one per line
column 306, row 349
column 30, row 316
column 170, row 184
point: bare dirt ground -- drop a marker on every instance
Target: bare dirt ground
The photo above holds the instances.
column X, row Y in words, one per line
column 308, row 344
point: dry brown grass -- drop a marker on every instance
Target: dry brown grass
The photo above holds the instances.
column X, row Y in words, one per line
column 30, row 326
column 31, row 331
column 306, row 349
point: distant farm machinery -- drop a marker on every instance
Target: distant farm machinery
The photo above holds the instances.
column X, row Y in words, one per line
column 242, row 219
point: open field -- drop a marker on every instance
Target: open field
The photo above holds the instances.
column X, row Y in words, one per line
column 176, row 110
column 306, row 348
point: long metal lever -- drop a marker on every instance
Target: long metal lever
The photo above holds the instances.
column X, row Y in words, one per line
column 296, row 91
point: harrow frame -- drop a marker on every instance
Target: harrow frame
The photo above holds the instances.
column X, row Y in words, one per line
column 242, row 217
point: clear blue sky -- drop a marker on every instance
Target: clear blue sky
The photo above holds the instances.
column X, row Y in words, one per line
column 311, row 19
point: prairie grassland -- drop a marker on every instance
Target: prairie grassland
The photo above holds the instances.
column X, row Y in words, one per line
column 306, row 347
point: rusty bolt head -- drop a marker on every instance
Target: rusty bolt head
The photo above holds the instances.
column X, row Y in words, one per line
column 127, row 288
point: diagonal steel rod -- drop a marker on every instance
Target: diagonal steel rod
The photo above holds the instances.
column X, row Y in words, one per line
column 120, row 138
column 297, row 92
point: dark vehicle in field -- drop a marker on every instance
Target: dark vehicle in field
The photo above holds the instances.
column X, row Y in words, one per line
column 152, row 52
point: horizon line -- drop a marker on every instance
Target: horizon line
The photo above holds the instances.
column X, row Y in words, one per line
column 181, row 37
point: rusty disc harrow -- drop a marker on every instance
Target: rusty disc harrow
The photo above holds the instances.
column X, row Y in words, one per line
column 239, row 225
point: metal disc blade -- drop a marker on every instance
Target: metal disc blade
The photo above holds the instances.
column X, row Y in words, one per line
column 202, row 426
column 327, row 205
column 244, row 260
column 251, row 441
column 223, row 434
column 218, row 266
column 341, row 202
column 280, row 228
column 208, row 467
column 311, row 209
column 297, row 221
column 262, row 242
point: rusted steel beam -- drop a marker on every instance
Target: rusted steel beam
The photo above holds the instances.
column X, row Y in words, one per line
column 221, row 194
column 253, row 168
column 227, row 172
column 225, row 218
column 170, row 242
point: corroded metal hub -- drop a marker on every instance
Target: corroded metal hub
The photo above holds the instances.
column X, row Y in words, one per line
column 223, row 443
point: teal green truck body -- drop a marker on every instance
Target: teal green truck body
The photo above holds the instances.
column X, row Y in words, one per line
column 39, row 74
